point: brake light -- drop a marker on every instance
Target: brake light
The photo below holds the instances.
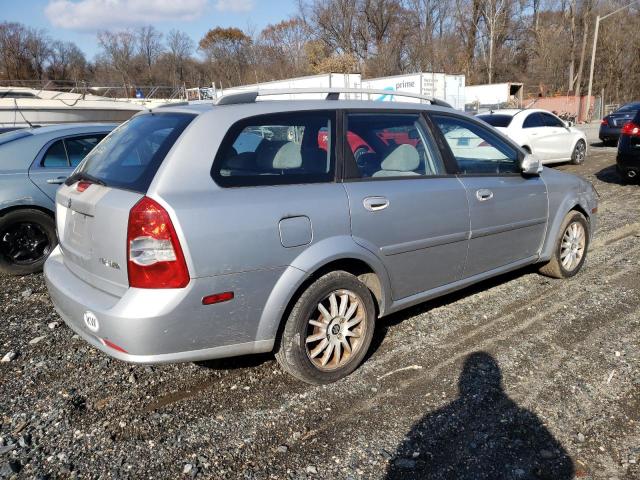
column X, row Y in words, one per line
column 604, row 121
column 154, row 255
column 82, row 186
column 631, row 129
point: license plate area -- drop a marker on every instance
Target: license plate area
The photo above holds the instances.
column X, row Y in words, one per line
column 77, row 237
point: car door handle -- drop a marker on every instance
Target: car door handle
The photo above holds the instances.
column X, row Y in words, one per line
column 56, row 181
column 374, row 204
column 484, row 194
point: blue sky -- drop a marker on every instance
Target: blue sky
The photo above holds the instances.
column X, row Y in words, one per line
column 79, row 20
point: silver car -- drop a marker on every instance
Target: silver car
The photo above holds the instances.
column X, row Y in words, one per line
column 34, row 162
column 195, row 232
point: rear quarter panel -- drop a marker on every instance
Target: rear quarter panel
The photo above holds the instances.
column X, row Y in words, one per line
column 566, row 192
column 17, row 191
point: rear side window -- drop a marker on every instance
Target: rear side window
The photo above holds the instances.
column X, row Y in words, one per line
column 56, row 156
column 131, row 155
column 79, row 147
column 276, row 150
column 496, row 120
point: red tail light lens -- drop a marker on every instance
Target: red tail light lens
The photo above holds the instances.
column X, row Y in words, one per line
column 604, row 121
column 631, row 129
column 82, row 186
column 154, row 255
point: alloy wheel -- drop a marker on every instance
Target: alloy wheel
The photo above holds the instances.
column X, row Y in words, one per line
column 24, row 243
column 336, row 330
column 572, row 246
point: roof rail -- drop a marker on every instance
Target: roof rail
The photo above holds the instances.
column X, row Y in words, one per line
column 251, row 96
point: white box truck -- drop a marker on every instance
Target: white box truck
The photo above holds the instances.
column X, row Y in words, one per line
column 493, row 96
column 450, row 88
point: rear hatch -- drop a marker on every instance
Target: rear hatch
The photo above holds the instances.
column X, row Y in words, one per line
column 92, row 207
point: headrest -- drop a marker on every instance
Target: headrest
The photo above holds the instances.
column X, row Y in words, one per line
column 288, row 156
column 405, row 158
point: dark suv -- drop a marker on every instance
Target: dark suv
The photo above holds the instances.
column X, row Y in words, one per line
column 628, row 159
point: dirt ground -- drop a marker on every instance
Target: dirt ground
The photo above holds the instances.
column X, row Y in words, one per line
column 520, row 377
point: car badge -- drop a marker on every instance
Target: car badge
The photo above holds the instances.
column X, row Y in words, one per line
column 69, row 203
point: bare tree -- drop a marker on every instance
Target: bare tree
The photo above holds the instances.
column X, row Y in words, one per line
column 181, row 48
column 66, row 61
column 492, row 26
column 150, row 47
column 119, row 50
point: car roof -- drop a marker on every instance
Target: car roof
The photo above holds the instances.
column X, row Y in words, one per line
column 503, row 111
column 69, row 128
column 280, row 106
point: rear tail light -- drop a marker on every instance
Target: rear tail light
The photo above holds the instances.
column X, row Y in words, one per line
column 631, row 129
column 82, row 186
column 154, row 255
column 604, row 121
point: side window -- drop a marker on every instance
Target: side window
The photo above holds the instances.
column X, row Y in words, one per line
column 392, row 145
column 56, row 156
column 532, row 121
column 79, row 147
column 276, row 150
column 476, row 149
column 550, row 120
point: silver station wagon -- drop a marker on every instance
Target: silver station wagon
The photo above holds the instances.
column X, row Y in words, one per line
column 197, row 231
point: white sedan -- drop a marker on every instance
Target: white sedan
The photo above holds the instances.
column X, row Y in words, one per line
column 540, row 132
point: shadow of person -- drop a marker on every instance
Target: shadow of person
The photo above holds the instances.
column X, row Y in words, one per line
column 483, row 434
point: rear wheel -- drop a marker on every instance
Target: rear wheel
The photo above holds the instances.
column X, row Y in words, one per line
column 579, row 153
column 26, row 239
column 329, row 329
column 571, row 247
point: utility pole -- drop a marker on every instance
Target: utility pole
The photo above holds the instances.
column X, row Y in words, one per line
column 595, row 43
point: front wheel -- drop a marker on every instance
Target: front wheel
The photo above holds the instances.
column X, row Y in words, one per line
column 571, row 247
column 329, row 329
column 579, row 153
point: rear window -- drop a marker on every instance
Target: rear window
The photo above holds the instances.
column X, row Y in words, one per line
column 496, row 120
column 131, row 155
column 629, row 107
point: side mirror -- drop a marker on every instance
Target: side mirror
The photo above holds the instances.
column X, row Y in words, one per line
column 531, row 165
column 568, row 123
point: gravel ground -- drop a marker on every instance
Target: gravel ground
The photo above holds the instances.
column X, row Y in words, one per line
column 520, row 377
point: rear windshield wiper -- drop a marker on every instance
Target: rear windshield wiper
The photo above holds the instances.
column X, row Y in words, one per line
column 83, row 176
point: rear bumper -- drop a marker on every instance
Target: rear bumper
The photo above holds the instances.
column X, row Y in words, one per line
column 154, row 326
column 629, row 164
column 608, row 133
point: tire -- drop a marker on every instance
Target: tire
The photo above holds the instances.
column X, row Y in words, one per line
column 27, row 237
column 555, row 268
column 302, row 357
column 579, row 153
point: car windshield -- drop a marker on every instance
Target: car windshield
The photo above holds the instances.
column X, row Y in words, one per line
column 496, row 119
column 132, row 154
column 630, row 107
